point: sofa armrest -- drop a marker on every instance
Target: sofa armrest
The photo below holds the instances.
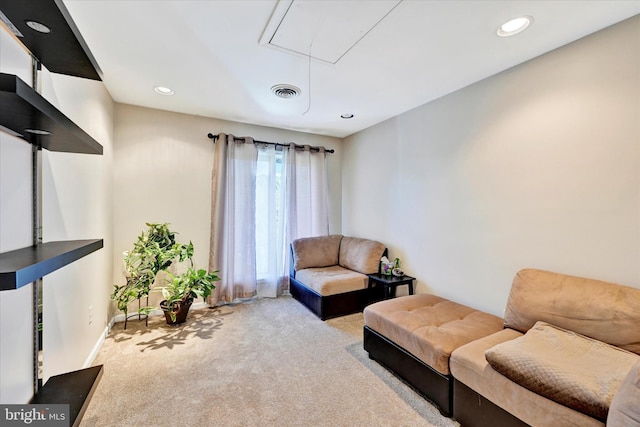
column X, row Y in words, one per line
column 624, row 408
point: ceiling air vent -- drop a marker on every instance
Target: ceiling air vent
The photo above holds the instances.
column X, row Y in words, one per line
column 285, row 91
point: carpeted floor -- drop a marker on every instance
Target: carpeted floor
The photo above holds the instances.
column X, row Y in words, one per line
column 266, row 362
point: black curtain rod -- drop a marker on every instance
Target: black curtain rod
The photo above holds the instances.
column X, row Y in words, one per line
column 277, row 144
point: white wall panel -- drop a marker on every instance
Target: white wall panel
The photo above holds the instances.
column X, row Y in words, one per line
column 538, row 166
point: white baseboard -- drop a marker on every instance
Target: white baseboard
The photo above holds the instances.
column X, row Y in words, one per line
column 120, row 318
column 96, row 347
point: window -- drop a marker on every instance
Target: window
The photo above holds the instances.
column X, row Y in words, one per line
column 269, row 213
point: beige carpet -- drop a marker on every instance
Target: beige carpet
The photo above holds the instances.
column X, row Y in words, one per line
column 266, row 362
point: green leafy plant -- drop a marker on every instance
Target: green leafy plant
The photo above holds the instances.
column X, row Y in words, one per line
column 154, row 251
column 184, row 288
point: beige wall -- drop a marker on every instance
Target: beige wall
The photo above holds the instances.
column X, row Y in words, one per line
column 538, row 166
column 77, row 204
column 162, row 173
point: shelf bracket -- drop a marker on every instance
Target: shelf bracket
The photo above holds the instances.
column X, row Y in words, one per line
column 36, row 206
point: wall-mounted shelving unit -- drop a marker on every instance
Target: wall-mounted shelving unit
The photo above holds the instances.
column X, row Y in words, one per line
column 23, row 266
column 62, row 50
column 24, row 113
column 74, row 389
column 23, row 109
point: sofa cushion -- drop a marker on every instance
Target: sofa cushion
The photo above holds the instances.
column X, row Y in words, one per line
column 605, row 311
column 566, row 367
column 361, row 255
column 429, row 327
column 625, row 407
column 332, row 280
column 320, row 251
column 470, row 367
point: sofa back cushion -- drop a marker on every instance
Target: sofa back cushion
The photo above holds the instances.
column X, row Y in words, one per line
column 321, row 251
column 361, row 255
column 601, row 310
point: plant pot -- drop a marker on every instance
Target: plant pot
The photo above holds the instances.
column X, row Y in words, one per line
column 180, row 309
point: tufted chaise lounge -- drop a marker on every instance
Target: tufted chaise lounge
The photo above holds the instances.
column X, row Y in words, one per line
column 415, row 335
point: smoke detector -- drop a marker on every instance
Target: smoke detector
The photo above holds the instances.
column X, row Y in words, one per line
column 285, row 91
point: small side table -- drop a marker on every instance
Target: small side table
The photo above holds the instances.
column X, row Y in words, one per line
column 390, row 283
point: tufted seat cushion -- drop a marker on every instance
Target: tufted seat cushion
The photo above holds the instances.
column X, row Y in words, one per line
column 429, row 327
column 332, row 280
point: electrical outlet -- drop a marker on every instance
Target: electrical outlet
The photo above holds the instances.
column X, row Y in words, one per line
column 90, row 314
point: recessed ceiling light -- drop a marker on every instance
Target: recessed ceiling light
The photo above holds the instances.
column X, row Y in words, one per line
column 163, row 90
column 37, row 26
column 514, row 26
column 346, row 116
column 38, row 131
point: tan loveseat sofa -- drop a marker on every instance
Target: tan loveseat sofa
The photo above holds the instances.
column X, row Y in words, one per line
column 567, row 346
column 566, row 349
column 328, row 274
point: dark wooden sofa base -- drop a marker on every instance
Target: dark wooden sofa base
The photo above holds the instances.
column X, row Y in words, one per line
column 428, row 382
column 327, row 307
column 471, row 409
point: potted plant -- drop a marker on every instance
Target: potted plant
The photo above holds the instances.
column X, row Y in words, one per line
column 154, row 251
column 183, row 289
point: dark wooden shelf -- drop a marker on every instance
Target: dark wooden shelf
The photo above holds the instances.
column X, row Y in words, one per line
column 22, row 108
column 23, row 266
column 73, row 388
column 63, row 50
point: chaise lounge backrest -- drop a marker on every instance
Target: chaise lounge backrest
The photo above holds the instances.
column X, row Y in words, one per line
column 601, row 310
column 361, row 255
column 321, row 251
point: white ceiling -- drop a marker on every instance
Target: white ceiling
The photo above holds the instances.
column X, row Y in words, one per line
column 215, row 54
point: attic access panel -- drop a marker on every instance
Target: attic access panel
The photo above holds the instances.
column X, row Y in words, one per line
column 23, row 108
column 325, row 30
column 63, row 50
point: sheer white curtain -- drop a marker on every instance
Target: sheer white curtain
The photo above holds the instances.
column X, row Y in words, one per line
column 233, row 238
column 263, row 197
column 271, row 243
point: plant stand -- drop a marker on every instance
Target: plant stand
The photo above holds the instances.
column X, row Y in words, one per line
column 139, row 315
